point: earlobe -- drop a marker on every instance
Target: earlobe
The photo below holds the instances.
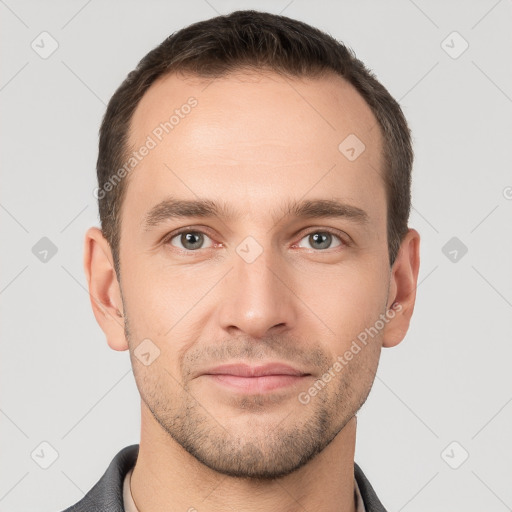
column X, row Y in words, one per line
column 402, row 289
column 104, row 291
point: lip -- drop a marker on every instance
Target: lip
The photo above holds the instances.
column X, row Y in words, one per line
column 248, row 371
column 255, row 379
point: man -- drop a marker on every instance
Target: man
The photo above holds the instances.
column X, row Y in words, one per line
column 254, row 257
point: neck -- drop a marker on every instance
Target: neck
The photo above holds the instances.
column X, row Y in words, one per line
column 166, row 477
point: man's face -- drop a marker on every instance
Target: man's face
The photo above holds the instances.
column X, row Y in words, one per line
column 254, row 284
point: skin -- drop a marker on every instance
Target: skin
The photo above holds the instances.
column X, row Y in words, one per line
column 255, row 141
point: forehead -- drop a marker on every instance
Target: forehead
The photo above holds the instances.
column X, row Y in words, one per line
column 259, row 135
column 255, row 104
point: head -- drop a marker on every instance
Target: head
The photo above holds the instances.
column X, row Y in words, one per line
column 254, row 195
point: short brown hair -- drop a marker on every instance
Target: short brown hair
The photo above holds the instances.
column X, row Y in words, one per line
column 215, row 47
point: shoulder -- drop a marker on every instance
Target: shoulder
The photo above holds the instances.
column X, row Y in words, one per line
column 107, row 493
column 370, row 499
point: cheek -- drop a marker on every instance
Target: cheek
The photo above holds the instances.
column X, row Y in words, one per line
column 348, row 301
column 152, row 306
column 352, row 291
column 167, row 304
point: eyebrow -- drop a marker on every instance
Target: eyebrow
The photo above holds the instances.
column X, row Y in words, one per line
column 172, row 208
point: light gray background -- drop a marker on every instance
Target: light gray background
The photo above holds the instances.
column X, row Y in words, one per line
column 450, row 380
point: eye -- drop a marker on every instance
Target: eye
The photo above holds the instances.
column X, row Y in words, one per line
column 189, row 240
column 322, row 240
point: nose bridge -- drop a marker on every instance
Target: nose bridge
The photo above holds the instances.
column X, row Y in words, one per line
column 257, row 298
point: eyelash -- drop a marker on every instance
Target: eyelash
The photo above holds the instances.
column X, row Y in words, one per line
column 338, row 234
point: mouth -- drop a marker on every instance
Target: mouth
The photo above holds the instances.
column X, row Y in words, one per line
column 245, row 378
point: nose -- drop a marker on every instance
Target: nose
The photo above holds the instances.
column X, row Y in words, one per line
column 257, row 297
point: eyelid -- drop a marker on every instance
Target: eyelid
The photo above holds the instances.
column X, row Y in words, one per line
column 344, row 238
column 188, row 229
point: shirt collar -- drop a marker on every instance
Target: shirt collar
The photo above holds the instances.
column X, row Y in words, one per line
column 129, row 504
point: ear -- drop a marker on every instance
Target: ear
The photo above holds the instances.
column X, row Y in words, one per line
column 104, row 290
column 402, row 289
